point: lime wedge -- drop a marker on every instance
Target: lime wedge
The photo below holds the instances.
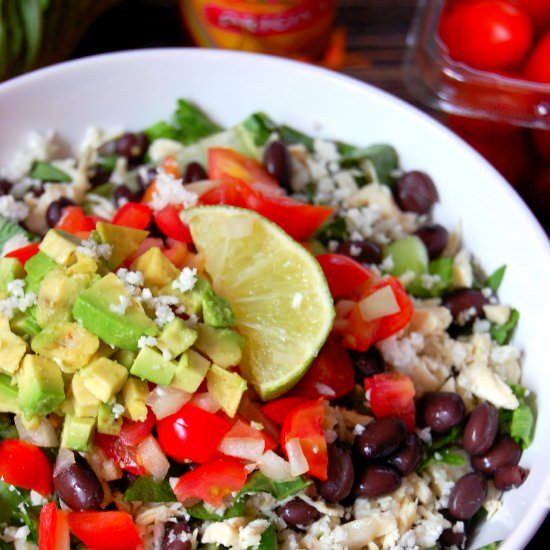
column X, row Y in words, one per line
column 276, row 288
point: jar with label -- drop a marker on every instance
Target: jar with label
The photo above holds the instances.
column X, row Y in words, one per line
column 280, row 27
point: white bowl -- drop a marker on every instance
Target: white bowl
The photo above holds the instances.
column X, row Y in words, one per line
column 135, row 89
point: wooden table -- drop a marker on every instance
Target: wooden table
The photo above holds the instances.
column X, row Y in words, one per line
column 376, row 29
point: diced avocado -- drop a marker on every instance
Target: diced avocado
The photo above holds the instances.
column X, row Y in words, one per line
column 190, row 299
column 191, row 371
column 59, row 246
column 134, row 394
column 56, row 296
column 407, row 254
column 8, row 395
column 157, row 269
column 222, row 345
column 226, row 387
column 124, row 240
column 176, row 337
column 83, row 265
column 104, row 378
column 37, row 267
column 123, row 330
column 77, row 432
column 107, row 422
column 12, row 348
column 150, row 365
column 216, row 310
column 24, row 324
column 41, row 388
column 67, row 343
column 10, row 269
column 125, row 357
column 85, row 402
column 104, row 350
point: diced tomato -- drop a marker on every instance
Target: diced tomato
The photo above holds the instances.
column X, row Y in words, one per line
column 392, row 393
column 231, row 192
column 344, row 275
column 331, row 374
column 176, row 252
column 169, row 222
column 73, row 220
column 243, row 430
column 191, row 433
column 133, row 214
column 26, row 466
column 125, row 456
column 24, row 254
column 226, row 163
column 110, row 530
column 212, row 481
column 278, row 409
column 305, row 422
column 537, row 67
column 53, row 529
column 133, row 432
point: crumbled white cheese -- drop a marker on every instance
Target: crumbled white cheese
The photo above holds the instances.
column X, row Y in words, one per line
column 146, row 341
column 463, row 275
column 134, row 278
column 497, row 313
column 18, row 299
column 16, row 242
column 117, row 410
column 166, row 355
column 164, row 147
column 37, row 499
column 170, row 190
column 95, row 250
column 13, row 209
column 186, row 279
column 122, row 306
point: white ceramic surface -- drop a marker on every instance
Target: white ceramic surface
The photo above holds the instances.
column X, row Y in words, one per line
column 134, row 89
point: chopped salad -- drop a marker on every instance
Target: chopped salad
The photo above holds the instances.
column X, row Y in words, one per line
column 245, row 338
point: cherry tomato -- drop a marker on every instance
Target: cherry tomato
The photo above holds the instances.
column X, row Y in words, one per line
column 105, row 530
column 468, row 126
column 170, row 224
column 331, row 374
column 487, row 34
column 305, row 422
column 344, row 275
column 53, row 529
column 191, row 433
column 73, row 220
column 24, row 254
column 537, row 67
column 392, row 394
column 134, row 432
column 278, row 409
column 212, row 481
column 541, row 139
column 538, row 10
column 26, row 466
column 134, row 215
column 125, row 456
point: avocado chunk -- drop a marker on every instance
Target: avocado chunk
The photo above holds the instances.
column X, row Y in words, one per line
column 37, row 267
column 59, row 246
column 104, row 378
column 150, row 365
column 24, row 324
column 222, row 345
column 176, row 337
column 134, row 395
column 192, row 299
column 226, row 387
column 191, row 371
column 12, row 348
column 94, row 309
column 157, row 269
column 41, row 388
column 125, row 357
column 67, row 343
column 77, row 432
column 56, row 296
column 10, row 269
column 216, row 310
column 85, row 403
column 8, row 395
column 108, row 422
column 124, row 241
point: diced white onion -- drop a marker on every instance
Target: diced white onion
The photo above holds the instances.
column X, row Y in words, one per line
column 343, row 307
column 296, row 458
column 242, row 447
column 379, row 304
column 165, row 400
column 65, row 458
column 153, row 458
column 274, row 466
column 44, row 435
column 205, row 401
column 202, row 187
column 105, row 467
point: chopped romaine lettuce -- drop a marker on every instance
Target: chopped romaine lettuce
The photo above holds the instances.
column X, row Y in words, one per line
column 502, row 333
column 44, row 171
column 146, row 489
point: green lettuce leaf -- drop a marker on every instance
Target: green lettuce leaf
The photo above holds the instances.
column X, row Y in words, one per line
column 146, row 489
column 260, row 483
column 44, row 171
column 503, row 333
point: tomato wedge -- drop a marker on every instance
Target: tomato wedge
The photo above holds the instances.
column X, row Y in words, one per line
column 125, row 456
column 305, row 422
column 278, row 409
column 133, row 432
column 344, row 274
column 170, row 224
column 212, row 481
column 105, row 530
column 73, row 220
column 25, row 253
column 133, row 214
column 25, row 465
column 53, row 529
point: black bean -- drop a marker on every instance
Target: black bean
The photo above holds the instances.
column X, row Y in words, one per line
column 409, row 456
column 505, row 452
column 5, row 186
column 465, row 305
column 440, row 411
column 366, row 252
column 298, row 513
column 367, row 363
column 450, row 538
column 176, row 536
column 415, row 192
column 340, row 477
column 481, row 429
column 55, row 210
column 79, row 487
column 434, row 237
column 467, row 496
column 509, row 477
column 97, row 175
column 36, row 190
column 277, row 163
column 122, row 194
column 377, row 480
column 194, row 172
column 381, row 437
column 130, row 145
